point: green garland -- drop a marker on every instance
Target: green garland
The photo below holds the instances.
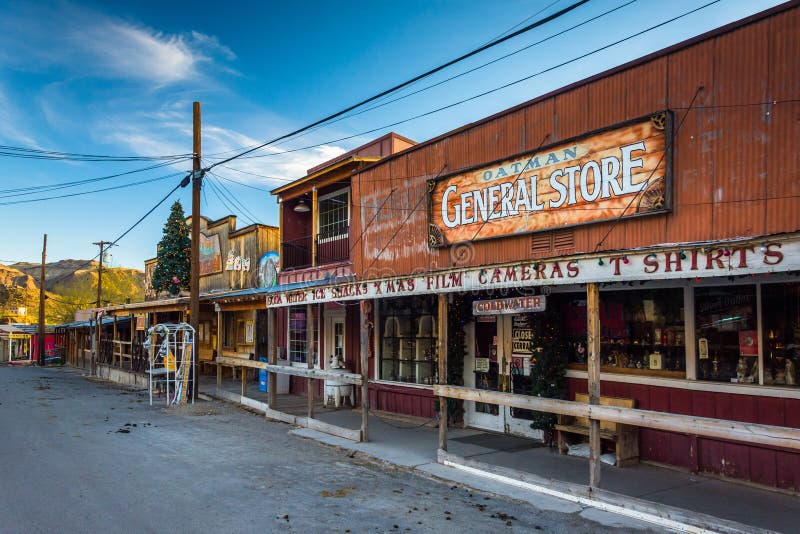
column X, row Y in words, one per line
column 548, row 367
column 459, row 314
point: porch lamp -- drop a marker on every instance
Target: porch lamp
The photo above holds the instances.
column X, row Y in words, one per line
column 301, row 207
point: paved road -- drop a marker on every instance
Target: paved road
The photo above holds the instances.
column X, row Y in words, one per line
column 85, row 456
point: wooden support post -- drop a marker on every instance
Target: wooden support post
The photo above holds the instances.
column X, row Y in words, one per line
column 115, row 346
column 364, row 364
column 593, row 344
column 442, row 353
column 244, row 381
column 310, row 357
column 272, row 356
column 314, row 224
column 219, row 376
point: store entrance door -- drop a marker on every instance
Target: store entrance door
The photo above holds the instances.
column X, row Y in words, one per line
column 482, row 371
column 499, row 361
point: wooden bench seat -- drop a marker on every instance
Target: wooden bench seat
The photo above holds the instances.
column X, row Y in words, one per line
column 625, row 437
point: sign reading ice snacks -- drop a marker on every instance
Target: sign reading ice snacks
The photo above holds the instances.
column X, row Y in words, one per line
column 620, row 171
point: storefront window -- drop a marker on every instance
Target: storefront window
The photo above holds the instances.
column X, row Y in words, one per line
column 780, row 315
column 727, row 338
column 298, row 340
column 642, row 331
column 408, row 339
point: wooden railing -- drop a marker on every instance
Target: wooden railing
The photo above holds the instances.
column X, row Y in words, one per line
column 311, row 374
column 751, row 433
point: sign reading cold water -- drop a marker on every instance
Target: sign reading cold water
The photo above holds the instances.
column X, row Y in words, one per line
column 621, row 171
column 534, row 303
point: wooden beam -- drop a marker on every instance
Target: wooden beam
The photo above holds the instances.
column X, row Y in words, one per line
column 310, row 358
column 442, row 354
column 593, row 345
column 272, row 356
column 317, row 374
column 750, row 433
column 364, row 367
column 314, row 224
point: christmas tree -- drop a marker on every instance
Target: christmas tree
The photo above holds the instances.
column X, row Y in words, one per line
column 548, row 367
column 174, row 251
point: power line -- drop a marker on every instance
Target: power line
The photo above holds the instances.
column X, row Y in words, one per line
column 21, row 191
column 221, row 198
column 122, row 186
column 241, row 208
column 490, row 91
column 183, row 183
column 408, row 82
column 33, row 153
column 469, row 71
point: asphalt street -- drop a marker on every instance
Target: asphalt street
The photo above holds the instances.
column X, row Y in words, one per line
column 78, row 455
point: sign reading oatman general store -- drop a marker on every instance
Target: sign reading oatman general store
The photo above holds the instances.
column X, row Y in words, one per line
column 623, row 170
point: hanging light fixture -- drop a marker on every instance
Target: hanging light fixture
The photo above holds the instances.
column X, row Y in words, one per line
column 301, row 206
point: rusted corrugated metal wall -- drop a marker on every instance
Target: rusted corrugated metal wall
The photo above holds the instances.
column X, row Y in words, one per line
column 735, row 166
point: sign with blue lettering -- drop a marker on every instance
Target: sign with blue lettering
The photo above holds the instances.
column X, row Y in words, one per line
column 621, row 171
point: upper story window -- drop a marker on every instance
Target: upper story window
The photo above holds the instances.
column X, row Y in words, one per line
column 334, row 215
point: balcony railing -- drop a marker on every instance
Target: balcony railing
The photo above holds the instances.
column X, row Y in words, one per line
column 297, row 253
column 333, row 245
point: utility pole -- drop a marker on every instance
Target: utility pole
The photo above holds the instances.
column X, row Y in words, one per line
column 98, row 327
column 42, row 299
column 194, row 282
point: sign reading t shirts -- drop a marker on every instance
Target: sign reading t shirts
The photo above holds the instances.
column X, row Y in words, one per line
column 623, row 170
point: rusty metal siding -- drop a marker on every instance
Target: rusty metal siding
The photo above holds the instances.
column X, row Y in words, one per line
column 735, row 169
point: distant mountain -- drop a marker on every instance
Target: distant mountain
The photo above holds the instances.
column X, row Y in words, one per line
column 71, row 285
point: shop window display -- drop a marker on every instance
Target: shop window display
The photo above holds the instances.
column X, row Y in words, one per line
column 780, row 317
column 727, row 338
column 642, row 331
column 408, row 339
column 298, row 340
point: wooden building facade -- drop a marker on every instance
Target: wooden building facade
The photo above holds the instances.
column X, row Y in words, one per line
column 669, row 182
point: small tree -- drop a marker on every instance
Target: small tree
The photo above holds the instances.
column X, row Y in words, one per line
column 174, row 252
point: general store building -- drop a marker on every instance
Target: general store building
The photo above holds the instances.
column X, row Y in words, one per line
column 671, row 181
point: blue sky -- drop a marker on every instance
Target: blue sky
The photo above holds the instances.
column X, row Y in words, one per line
column 119, row 79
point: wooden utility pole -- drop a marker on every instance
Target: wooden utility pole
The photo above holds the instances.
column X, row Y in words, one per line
column 194, row 276
column 593, row 343
column 42, row 298
column 99, row 304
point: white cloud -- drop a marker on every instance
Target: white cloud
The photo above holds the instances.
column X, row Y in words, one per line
column 87, row 43
column 10, row 124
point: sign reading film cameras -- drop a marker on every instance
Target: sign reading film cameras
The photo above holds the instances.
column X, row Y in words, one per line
column 623, row 170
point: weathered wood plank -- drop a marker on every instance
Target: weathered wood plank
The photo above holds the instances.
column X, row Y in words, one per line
column 752, row 433
column 593, row 345
column 319, row 374
column 442, row 353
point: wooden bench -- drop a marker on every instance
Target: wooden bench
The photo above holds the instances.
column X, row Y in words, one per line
column 625, row 437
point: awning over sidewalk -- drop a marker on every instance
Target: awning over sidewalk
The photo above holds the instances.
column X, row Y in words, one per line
column 741, row 257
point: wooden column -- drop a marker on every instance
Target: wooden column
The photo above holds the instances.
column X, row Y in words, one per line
column 114, row 345
column 442, row 354
column 314, row 224
column 364, row 364
column 593, row 345
column 244, row 381
column 310, row 357
column 220, row 333
column 272, row 355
